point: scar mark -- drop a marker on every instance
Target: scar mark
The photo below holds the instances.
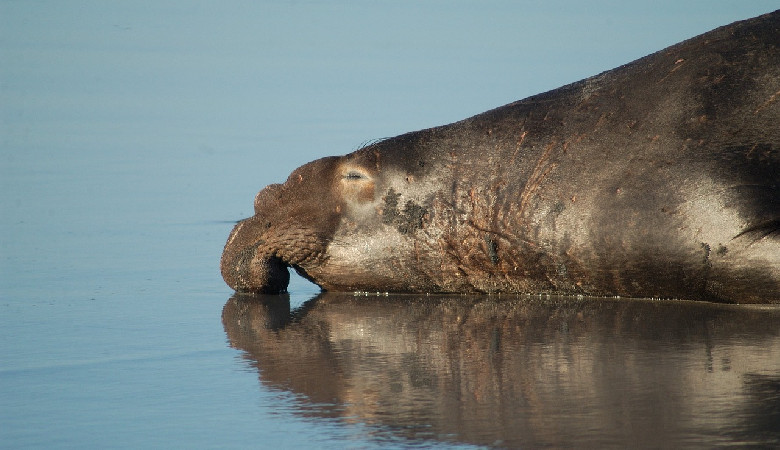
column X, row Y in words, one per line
column 519, row 145
column 501, row 235
column 677, row 64
column 771, row 99
column 538, row 175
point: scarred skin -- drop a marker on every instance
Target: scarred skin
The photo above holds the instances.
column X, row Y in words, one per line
column 660, row 178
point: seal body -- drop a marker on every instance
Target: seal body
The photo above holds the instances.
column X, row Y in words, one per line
column 660, row 178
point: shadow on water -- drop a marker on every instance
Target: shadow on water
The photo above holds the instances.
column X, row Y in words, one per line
column 522, row 371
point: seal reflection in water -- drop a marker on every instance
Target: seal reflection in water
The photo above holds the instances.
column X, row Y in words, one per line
column 523, row 371
column 660, row 178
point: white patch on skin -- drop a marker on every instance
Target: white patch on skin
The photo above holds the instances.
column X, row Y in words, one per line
column 234, row 234
column 362, row 212
column 708, row 217
column 715, row 224
column 364, row 248
column 381, row 255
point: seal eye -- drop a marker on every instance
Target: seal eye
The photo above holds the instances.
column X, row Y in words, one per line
column 354, row 175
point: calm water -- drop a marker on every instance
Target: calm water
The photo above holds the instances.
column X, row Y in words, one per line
column 133, row 135
column 521, row 371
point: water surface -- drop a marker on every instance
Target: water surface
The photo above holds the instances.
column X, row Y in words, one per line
column 523, row 371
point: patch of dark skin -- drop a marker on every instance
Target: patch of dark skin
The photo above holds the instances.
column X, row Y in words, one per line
column 492, row 249
column 390, row 213
column 407, row 221
column 706, row 249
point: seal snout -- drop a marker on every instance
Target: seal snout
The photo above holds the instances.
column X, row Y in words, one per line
column 247, row 265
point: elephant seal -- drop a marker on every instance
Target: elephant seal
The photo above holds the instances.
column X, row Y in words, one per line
column 660, row 178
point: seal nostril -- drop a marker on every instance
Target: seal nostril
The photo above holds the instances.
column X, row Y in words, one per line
column 267, row 225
